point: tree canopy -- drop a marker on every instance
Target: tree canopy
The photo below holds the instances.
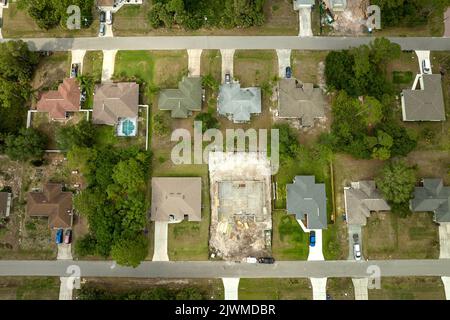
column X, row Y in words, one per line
column 29, row 144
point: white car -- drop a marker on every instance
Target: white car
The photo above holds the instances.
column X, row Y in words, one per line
column 426, row 66
column 108, row 17
column 251, row 260
column 357, row 251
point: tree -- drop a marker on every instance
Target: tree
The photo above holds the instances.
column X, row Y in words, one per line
column 86, row 246
column 129, row 175
column 396, row 182
column 161, row 125
column 79, row 135
column 289, row 144
column 189, row 294
column 130, row 252
column 208, row 121
column 28, row 145
column 81, row 158
column 208, row 81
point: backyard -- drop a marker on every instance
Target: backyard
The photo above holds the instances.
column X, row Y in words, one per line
column 386, row 236
column 409, row 288
column 275, row 289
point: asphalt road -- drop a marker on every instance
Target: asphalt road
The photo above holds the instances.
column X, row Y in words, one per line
column 282, row 269
column 228, row 42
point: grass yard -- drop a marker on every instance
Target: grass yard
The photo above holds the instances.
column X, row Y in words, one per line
column 211, row 63
column 29, row 288
column 93, row 64
column 51, row 71
column 386, row 236
column 18, row 24
column 340, row 289
column 275, row 289
column 211, row 289
column 289, row 242
column 281, row 19
column 306, row 66
column 403, row 71
column 409, row 288
column 402, row 77
column 255, row 67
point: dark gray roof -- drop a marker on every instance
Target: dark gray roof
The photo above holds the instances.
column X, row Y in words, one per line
column 426, row 103
column 432, row 196
column 306, row 198
column 360, row 199
column 300, row 100
column 188, row 97
column 239, row 103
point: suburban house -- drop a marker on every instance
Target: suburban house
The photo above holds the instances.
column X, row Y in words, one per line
column 299, row 4
column 182, row 101
column 117, row 104
column 237, row 103
column 5, row 204
column 425, row 101
column 115, row 5
column 302, row 101
column 176, row 199
column 59, row 103
column 432, row 196
column 53, row 203
column 308, row 201
column 362, row 198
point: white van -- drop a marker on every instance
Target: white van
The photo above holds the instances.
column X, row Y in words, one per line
column 357, row 251
column 426, row 66
column 108, row 17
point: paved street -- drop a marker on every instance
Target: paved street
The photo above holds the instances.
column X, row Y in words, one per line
column 207, row 269
column 228, row 42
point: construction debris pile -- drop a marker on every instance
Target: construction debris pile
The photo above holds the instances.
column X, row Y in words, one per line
column 350, row 19
column 241, row 220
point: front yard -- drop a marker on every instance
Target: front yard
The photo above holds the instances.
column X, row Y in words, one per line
column 340, row 289
column 409, row 288
column 309, row 66
column 29, row 288
column 275, row 289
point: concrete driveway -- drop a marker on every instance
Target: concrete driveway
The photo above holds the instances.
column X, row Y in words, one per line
column 160, row 245
column 78, row 57
column 447, row 23
column 109, row 60
column 109, row 31
column 354, row 229
column 231, row 288
column 194, row 61
column 444, row 240
column 284, row 60
column 304, row 16
column 422, row 55
column 446, row 282
column 66, row 288
column 64, row 252
column 319, row 286
column 315, row 253
column 361, row 288
column 227, row 62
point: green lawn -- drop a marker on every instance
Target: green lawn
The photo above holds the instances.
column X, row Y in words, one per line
column 18, row 24
column 92, row 65
column 409, row 288
column 29, row 288
column 289, row 242
column 402, row 77
column 211, row 63
column 275, row 289
column 255, row 67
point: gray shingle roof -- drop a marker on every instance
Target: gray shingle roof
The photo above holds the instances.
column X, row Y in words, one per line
column 306, row 198
column 188, row 97
column 362, row 198
column 426, row 103
column 432, row 196
column 300, row 100
column 239, row 103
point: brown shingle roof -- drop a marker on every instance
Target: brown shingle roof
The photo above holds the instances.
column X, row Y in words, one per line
column 177, row 197
column 105, row 3
column 52, row 203
column 58, row 102
column 115, row 100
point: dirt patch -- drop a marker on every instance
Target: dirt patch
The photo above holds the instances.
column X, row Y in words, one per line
column 351, row 21
column 51, row 71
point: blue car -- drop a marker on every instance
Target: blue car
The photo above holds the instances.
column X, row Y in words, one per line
column 59, row 236
column 312, row 238
column 288, row 72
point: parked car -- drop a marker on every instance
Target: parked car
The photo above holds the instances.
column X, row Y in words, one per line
column 102, row 31
column 357, row 251
column 227, row 78
column 266, row 260
column 4, row 2
column 108, row 17
column 288, row 72
column 102, row 17
column 59, row 236
column 355, row 238
column 68, row 236
column 83, row 97
column 251, row 260
column 74, row 70
column 426, row 66
column 312, row 238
